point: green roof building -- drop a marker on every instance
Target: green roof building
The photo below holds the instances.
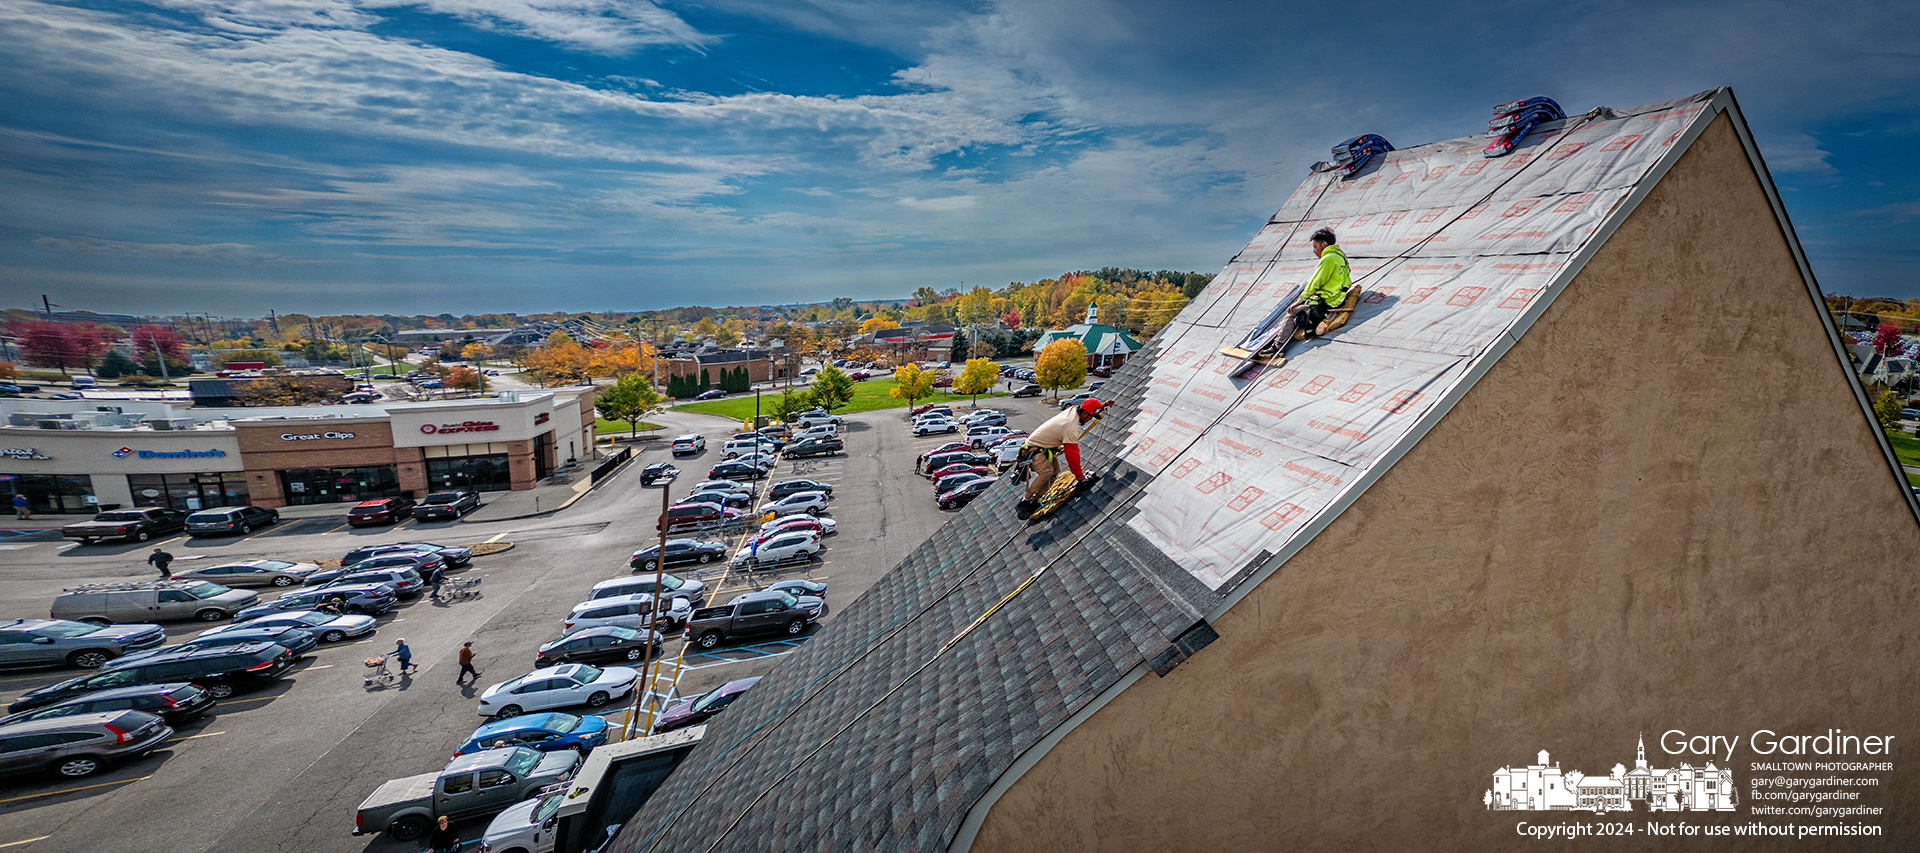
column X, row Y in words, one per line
column 1107, row 346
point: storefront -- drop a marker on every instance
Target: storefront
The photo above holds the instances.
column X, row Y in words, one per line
column 339, row 485
column 300, row 461
column 189, row 492
column 76, row 471
column 474, row 467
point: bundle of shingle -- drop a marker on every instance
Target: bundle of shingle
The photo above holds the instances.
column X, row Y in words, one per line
column 1354, row 153
column 1512, row 121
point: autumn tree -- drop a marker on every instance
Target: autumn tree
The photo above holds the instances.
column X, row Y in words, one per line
column 630, row 398
column 561, row 360
column 148, row 340
column 621, row 359
column 875, row 324
column 1886, row 339
column 465, row 378
column 476, row 352
column 289, row 390
column 976, row 379
column 910, row 383
column 1063, row 364
column 1150, row 310
column 975, row 306
column 66, row 346
column 832, row 388
column 1886, row 409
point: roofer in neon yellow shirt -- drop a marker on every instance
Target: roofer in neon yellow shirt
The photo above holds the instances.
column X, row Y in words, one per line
column 1328, row 287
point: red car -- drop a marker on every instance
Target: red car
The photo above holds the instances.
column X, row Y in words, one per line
column 966, row 493
column 961, row 468
column 703, row 707
column 860, row 376
column 380, row 511
column 696, row 516
column 923, row 409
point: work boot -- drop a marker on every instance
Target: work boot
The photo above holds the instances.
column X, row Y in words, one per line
column 1025, row 508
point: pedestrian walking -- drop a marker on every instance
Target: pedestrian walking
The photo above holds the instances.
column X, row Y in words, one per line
column 466, row 664
column 160, row 560
column 21, row 507
column 445, row 838
column 403, row 654
column 437, row 577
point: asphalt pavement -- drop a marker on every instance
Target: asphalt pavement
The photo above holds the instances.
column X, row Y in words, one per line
column 284, row 768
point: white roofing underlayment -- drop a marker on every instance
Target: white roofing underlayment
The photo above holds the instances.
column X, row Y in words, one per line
column 1452, row 252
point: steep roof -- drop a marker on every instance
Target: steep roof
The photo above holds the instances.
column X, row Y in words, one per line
column 989, row 640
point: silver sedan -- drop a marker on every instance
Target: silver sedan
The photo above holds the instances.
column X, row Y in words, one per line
column 252, row 573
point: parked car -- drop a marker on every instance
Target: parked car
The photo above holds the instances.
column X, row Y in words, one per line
column 151, row 601
column 300, row 641
column 220, row 672
column 677, row 587
column 960, row 468
column 797, row 587
column 712, row 394
column 79, row 746
column 327, row 626
column 736, row 471
column 755, row 613
column 48, row 642
column 136, row 525
column 251, row 573
column 924, row 408
column 379, row 511
column 966, row 492
column 605, row 644
column 825, row 446
column 178, row 703
column 240, row 520
column 760, row 437
column 784, row 547
column 763, row 461
column 1028, row 390
column 472, row 785
column 729, row 500
column 950, row 482
column 446, row 505
column 689, row 445
column 455, row 556
column 627, row 611
column 696, row 517
column 1102, row 371
column 818, row 523
column 949, row 447
column 422, row 562
column 551, row 731
column 932, row 426
column 981, row 436
column 563, row 686
column 370, row 599
column 1076, row 400
column 811, row 503
column 821, row 431
column 860, row 375
column 1008, row 451
column 777, row 432
column 942, row 460
column 994, row 420
column 406, row 582
column 725, row 486
column 679, row 552
column 788, row 487
column 817, row 418
column 658, row 472
column 703, row 707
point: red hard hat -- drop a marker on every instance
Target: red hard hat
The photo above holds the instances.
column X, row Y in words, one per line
column 1092, row 407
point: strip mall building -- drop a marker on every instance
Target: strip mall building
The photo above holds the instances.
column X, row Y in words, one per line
column 71, row 456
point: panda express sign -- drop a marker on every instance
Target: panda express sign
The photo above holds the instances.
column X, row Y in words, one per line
column 463, row 426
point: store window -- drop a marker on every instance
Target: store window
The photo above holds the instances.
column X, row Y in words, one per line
column 475, row 467
column 339, row 485
column 189, row 492
column 51, row 493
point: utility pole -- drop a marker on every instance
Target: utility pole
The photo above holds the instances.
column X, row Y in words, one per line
column 60, row 355
column 653, row 620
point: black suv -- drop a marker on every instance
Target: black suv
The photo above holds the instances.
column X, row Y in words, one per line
column 178, row 703
column 239, row 520
column 735, row 471
column 605, row 644
column 453, row 555
column 220, row 672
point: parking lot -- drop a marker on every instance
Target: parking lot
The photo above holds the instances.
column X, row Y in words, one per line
column 283, row 768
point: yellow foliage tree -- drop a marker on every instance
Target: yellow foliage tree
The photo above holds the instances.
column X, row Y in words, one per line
column 977, row 378
column 875, row 324
column 476, row 352
column 1063, row 364
column 910, row 383
column 622, row 359
column 559, row 361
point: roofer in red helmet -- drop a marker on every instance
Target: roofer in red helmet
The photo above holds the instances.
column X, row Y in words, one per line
column 1058, row 437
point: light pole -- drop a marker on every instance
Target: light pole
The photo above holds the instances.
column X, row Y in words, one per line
column 653, row 618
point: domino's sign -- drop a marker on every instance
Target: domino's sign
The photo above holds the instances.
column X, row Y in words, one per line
column 124, row 452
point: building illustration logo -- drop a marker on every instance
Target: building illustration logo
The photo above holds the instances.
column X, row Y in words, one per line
column 1544, row 787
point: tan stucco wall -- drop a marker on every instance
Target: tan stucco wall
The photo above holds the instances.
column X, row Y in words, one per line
column 1680, row 521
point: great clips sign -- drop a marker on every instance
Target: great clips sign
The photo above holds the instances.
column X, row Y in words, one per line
column 463, row 426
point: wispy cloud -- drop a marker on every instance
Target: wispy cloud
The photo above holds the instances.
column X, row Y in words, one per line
column 218, row 253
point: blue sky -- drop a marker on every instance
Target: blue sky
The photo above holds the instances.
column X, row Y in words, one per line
column 346, row 156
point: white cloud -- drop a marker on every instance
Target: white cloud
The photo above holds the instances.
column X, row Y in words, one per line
column 220, row 253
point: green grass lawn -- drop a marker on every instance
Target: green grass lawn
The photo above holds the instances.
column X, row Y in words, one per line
column 1906, row 448
column 607, row 427
column 867, row 396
